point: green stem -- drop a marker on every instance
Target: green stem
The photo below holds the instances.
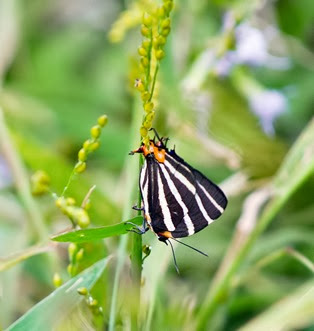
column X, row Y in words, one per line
column 147, row 80
column 20, row 177
column 69, row 182
column 154, row 82
column 136, row 267
column 131, row 184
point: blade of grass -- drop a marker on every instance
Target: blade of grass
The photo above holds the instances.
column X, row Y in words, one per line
column 295, row 311
column 12, row 260
column 296, row 168
column 35, row 221
column 52, row 309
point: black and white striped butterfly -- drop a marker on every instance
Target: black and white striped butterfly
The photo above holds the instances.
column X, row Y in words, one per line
column 178, row 200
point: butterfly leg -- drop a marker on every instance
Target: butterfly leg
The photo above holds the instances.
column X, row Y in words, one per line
column 135, row 207
column 139, row 229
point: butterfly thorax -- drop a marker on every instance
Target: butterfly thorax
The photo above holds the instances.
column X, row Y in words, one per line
column 158, row 151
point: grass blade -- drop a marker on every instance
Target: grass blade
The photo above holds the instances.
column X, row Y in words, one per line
column 51, row 310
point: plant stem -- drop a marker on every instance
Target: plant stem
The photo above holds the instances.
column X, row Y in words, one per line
column 154, row 82
column 136, row 257
column 131, row 184
column 149, row 52
column 35, row 221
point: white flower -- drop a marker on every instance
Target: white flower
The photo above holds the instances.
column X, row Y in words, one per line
column 268, row 105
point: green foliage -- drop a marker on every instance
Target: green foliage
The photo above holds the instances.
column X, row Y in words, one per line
column 87, row 235
column 61, row 302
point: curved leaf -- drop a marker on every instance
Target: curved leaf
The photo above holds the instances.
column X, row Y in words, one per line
column 51, row 310
column 98, row 233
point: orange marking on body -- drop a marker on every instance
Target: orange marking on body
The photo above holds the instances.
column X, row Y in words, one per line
column 165, row 234
column 149, row 150
column 159, row 154
column 147, row 218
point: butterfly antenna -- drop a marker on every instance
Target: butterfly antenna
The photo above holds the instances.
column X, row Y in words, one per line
column 195, row 249
column 174, row 258
column 156, row 134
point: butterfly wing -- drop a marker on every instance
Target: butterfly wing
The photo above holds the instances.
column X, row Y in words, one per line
column 177, row 198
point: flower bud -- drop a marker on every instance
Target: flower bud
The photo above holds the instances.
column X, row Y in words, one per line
column 82, row 156
column 165, row 23
column 82, row 218
column 165, row 32
column 102, row 120
column 57, row 281
column 87, row 144
column 70, row 201
column 145, row 31
column 95, row 131
column 143, row 131
column 146, row 44
column 94, row 145
column 82, row 291
column 159, row 54
column 161, row 12
column 145, row 96
column 72, row 248
column 148, row 106
column 147, row 19
column 145, row 62
column 80, row 254
column 142, row 51
column 80, row 167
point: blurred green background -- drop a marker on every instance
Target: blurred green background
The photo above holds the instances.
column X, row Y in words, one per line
column 235, row 90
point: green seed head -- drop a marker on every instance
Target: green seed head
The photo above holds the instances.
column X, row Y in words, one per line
column 80, row 254
column 145, row 96
column 145, row 62
column 80, row 167
column 102, row 120
column 161, row 12
column 82, row 218
column 165, row 23
column 145, row 31
column 57, row 281
column 70, row 201
column 86, row 144
column 94, row 145
column 160, row 54
column 82, row 291
column 142, row 51
column 147, row 20
column 148, row 106
column 72, row 248
column 95, row 131
column 143, row 131
column 82, row 155
column 146, row 44
column 165, row 32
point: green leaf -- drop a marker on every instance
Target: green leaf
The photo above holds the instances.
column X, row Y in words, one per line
column 10, row 261
column 80, row 236
column 295, row 311
column 298, row 164
column 51, row 310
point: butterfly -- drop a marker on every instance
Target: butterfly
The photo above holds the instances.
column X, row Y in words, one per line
column 178, row 200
